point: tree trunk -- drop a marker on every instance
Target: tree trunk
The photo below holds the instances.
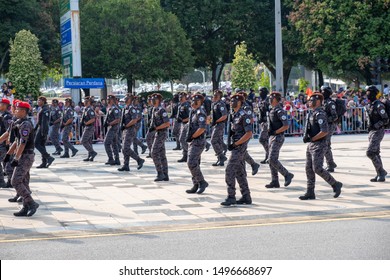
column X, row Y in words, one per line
column 320, row 78
column 216, row 75
column 171, row 82
column 129, row 80
column 2, row 61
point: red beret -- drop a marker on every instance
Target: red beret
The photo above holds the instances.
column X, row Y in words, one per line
column 15, row 101
column 21, row 104
column 5, row 101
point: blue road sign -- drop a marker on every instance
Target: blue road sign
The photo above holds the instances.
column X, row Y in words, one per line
column 84, row 83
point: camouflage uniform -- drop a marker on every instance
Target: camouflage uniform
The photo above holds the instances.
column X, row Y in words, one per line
column 55, row 114
column 129, row 134
column 11, row 139
column 184, row 111
column 111, row 139
column 176, row 124
column 315, row 150
column 278, row 119
column 5, row 121
column 248, row 110
column 196, row 146
column 24, row 133
column 42, row 130
column 137, row 141
column 68, row 115
column 158, row 152
column 378, row 118
column 219, row 110
column 330, row 110
column 235, row 169
column 150, row 134
column 89, row 130
column 264, row 137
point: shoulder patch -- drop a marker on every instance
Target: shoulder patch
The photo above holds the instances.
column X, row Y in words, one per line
column 165, row 114
column 201, row 119
column 242, row 113
column 249, row 112
column 284, row 117
column 25, row 133
column 382, row 111
column 116, row 111
column 222, row 108
column 248, row 121
column 92, row 113
column 320, row 121
column 133, row 110
column 333, row 106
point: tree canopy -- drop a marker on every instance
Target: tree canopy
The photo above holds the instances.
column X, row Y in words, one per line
column 243, row 74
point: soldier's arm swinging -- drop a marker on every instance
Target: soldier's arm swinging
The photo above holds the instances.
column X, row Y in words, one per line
column 198, row 133
column 4, row 137
column 12, row 149
column 91, row 121
column 19, row 150
column 131, row 123
column 114, row 122
column 319, row 136
column 164, row 125
column 245, row 138
column 221, row 119
column 282, row 129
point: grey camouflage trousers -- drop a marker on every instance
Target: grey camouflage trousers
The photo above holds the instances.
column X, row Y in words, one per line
column 217, row 138
column 235, row 170
column 128, row 137
column 136, row 140
column 183, row 138
column 264, row 138
column 55, row 136
column 65, row 139
column 195, row 149
column 176, row 131
column 328, row 149
column 87, row 138
column 111, row 142
column 375, row 138
column 21, row 177
column 276, row 143
column 158, row 151
column 150, row 139
column 314, row 161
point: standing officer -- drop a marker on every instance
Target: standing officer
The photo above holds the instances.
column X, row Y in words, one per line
column 176, row 123
column 331, row 113
column 248, row 109
column 129, row 121
column 184, row 113
column 197, row 141
column 41, row 132
column 23, row 150
column 315, row 134
column 219, row 119
column 160, row 124
column 150, row 134
column 278, row 125
column 241, row 133
column 263, row 112
column 55, row 123
column 111, row 122
column 88, row 120
column 67, row 121
column 5, row 120
column 377, row 120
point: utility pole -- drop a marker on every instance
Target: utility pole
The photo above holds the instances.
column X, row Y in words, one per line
column 278, row 48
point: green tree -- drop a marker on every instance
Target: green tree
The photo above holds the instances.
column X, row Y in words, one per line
column 302, row 84
column 133, row 40
column 265, row 80
column 243, row 74
column 26, row 64
column 344, row 37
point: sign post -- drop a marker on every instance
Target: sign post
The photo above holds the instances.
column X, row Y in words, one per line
column 70, row 42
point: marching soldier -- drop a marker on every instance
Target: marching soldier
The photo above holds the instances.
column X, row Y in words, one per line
column 278, row 125
column 378, row 119
column 55, row 123
column 160, row 124
column 315, row 134
column 5, row 120
column 219, row 118
column 239, row 135
column 129, row 121
column 88, row 120
column 23, row 150
column 207, row 104
column 331, row 113
column 176, row 123
column 263, row 111
column 197, row 142
column 184, row 113
column 41, row 132
column 248, row 109
column 111, row 122
column 150, row 134
column 137, row 141
column 67, row 121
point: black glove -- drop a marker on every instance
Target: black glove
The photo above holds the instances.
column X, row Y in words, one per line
column 306, row 139
column 271, row 132
column 14, row 163
column 105, row 125
column 123, row 127
column 62, row 126
column 151, row 129
column 189, row 139
column 7, row 158
column 231, row 147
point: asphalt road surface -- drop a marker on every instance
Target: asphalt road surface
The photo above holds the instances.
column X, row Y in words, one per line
column 360, row 238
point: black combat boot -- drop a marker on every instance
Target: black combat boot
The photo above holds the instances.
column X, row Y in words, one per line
column 56, row 153
column 65, row 155
column 230, row 200
column 49, row 161
column 149, row 156
column 255, row 168
column 87, row 159
column 43, row 164
column 13, row 199
column 23, row 212
column 3, row 184
column 125, row 167
column 9, row 185
column 202, row 186
column 222, row 159
column 32, row 208
column 337, row 189
column 331, row 167
column 117, row 162
column 216, row 164
column 166, row 177
column 110, row 161
column 183, row 159
column 160, row 177
column 194, row 189
column 178, row 148
column 93, row 155
column 288, row 179
column 74, row 152
column 382, row 175
column 272, row 185
column 245, row 199
column 264, row 161
column 144, row 148
column 308, row 195
column 140, row 163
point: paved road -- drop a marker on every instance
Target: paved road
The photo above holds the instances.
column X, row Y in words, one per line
column 366, row 238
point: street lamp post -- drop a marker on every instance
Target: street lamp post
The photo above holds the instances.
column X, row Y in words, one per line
column 278, row 47
column 203, row 76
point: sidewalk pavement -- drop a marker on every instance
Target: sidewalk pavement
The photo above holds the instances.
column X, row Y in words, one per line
column 75, row 196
